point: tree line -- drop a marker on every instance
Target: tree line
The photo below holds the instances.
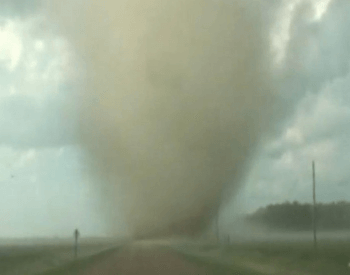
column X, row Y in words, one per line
column 298, row 217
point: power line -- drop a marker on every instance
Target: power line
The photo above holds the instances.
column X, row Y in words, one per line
column 314, row 205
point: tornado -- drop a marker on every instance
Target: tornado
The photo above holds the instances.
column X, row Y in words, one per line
column 174, row 98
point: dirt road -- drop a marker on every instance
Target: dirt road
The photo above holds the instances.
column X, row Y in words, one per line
column 141, row 259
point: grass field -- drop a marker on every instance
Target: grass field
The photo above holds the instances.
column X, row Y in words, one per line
column 275, row 257
column 243, row 258
column 73, row 267
column 31, row 258
column 332, row 257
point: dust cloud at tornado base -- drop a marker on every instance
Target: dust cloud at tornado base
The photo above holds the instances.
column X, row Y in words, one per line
column 175, row 98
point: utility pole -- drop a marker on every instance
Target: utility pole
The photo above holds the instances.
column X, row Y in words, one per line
column 76, row 236
column 314, row 205
column 217, row 228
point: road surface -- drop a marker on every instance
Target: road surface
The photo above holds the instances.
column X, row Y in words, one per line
column 144, row 260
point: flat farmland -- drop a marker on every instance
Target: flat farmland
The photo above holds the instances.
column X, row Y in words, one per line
column 29, row 257
column 258, row 257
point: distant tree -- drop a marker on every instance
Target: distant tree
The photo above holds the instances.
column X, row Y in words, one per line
column 296, row 216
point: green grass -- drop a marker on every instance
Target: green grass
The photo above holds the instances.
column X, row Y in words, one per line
column 244, row 258
column 8, row 262
column 332, row 257
column 81, row 264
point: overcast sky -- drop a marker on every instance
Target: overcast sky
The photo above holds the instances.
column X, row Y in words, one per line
column 44, row 190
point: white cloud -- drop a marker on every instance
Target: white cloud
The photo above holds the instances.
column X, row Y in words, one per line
column 321, row 115
column 286, row 161
column 33, row 179
column 27, row 158
column 11, row 46
column 39, row 45
column 280, row 34
column 320, row 8
column 294, row 135
column 35, row 106
column 281, row 30
column 321, row 150
column 13, row 91
column 60, row 152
